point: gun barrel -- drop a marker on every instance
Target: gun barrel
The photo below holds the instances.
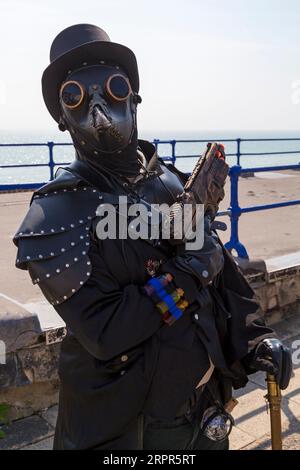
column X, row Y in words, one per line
column 211, row 148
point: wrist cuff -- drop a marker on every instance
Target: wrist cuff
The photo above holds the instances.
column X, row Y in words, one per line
column 167, row 298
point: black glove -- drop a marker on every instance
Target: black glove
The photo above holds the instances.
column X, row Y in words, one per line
column 273, row 357
column 192, row 269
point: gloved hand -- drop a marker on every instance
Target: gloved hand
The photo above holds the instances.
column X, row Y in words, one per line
column 168, row 298
column 216, row 175
column 192, row 269
column 273, row 357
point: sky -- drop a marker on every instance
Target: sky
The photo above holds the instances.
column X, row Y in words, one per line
column 204, row 64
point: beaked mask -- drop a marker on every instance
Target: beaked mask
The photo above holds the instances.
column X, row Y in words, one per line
column 99, row 108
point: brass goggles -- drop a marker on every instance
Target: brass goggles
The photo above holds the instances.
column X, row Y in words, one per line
column 117, row 88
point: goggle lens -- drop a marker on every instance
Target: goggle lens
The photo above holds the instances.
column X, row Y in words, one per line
column 72, row 94
column 118, row 87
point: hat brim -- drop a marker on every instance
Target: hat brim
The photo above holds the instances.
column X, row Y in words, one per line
column 91, row 53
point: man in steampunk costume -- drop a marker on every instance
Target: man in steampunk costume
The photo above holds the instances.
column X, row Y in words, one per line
column 157, row 336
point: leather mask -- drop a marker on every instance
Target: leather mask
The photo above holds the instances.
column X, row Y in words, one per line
column 99, row 110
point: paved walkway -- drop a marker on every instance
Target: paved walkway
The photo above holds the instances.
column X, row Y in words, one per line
column 251, row 417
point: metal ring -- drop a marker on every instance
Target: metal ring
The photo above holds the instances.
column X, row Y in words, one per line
column 81, row 90
column 110, row 93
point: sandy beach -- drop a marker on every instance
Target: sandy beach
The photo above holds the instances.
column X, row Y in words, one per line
column 272, row 232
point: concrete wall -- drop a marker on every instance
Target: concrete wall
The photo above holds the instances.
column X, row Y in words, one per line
column 278, row 293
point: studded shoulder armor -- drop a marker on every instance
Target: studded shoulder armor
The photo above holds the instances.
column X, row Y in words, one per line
column 54, row 238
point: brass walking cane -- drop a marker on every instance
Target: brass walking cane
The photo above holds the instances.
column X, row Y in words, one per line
column 274, row 399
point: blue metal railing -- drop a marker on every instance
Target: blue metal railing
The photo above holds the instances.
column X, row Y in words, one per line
column 234, row 211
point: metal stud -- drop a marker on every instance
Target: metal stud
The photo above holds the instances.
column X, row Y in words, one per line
column 75, row 259
column 81, row 237
column 81, row 221
column 95, row 152
column 62, row 250
column 51, row 254
column 72, row 225
column 27, row 257
column 88, row 274
column 72, row 244
column 88, row 263
column 40, row 256
column 65, row 297
column 81, row 283
column 52, row 230
column 100, row 197
column 42, row 231
column 58, row 270
column 73, row 290
column 205, row 273
column 62, row 228
column 47, row 275
column 67, row 265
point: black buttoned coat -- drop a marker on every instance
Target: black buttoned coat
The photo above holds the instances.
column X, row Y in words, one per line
column 119, row 361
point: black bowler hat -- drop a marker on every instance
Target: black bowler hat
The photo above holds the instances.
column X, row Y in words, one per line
column 78, row 45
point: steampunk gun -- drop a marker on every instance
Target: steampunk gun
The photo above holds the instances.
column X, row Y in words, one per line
column 204, row 186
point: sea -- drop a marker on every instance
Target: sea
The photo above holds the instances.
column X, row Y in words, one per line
column 31, row 155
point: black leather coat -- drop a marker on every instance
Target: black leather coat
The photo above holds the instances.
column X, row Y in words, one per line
column 119, row 361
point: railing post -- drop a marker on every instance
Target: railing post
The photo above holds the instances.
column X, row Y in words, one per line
column 51, row 160
column 155, row 143
column 238, row 151
column 235, row 212
column 173, row 143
